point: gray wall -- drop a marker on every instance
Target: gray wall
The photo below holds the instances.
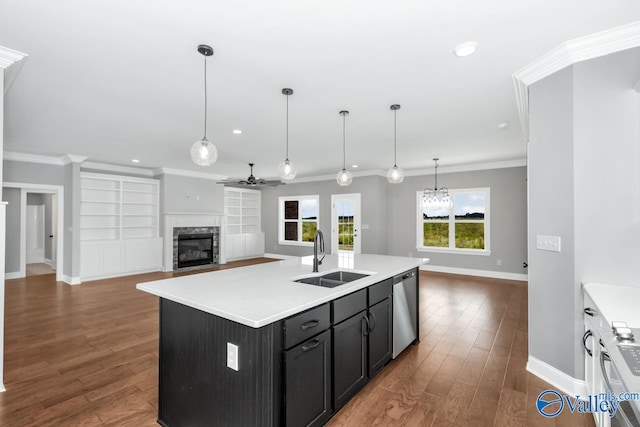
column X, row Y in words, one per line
column 187, row 194
column 12, row 236
column 552, row 302
column 508, row 205
column 373, row 190
column 584, row 185
column 33, row 173
column 390, row 212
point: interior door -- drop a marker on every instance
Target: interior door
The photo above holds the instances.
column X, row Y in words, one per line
column 345, row 223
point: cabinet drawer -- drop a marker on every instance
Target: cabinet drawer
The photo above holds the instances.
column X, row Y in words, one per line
column 347, row 306
column 305, row 325
column 380, row 291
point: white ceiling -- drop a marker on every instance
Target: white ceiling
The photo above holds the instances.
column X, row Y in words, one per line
column 121, row 79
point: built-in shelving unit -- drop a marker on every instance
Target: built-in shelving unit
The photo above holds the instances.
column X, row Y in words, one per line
column 119, row 215
column 244, row 237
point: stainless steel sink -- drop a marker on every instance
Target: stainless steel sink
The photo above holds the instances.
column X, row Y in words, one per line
column 333, row 279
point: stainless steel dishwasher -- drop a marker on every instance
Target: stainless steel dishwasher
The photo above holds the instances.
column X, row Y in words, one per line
column 405, row 315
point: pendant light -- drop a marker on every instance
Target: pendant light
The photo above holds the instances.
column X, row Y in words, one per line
column 286, row 169
column 203, row 152
column 344, row 177
column 395, row 175
column 436, row 197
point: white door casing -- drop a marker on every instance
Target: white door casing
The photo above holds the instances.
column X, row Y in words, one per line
column 345, row 223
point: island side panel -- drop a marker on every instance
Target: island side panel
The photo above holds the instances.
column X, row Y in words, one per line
column 196, row 386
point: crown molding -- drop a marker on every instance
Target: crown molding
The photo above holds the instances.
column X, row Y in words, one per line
column 568, row 53
column 105, row 167
column 468, row 167
column 190, row 174
column 8, row 57
column 33, row 158
column 72, row 158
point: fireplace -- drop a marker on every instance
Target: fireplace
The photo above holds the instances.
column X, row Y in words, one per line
column 195, row 246
column 195, row 249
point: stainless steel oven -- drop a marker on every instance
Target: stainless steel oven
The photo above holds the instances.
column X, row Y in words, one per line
column 628, row 412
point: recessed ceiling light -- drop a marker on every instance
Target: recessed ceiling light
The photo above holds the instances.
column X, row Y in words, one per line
column 135, row 161
column 465, row 49
column 237, row 131
column 354, row 166
column 503, row 126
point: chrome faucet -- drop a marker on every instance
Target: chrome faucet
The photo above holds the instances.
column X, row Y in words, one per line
column 318, row 244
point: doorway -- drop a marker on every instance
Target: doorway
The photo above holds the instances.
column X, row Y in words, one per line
column 37, row 219
column 345, row 223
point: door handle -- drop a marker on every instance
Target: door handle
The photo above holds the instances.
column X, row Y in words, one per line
column 590, row 311
column 585, row 337
column 311, row 345
column 372, row 326
column 365, row 329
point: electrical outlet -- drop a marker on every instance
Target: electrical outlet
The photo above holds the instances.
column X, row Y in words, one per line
column 548, row 243
column 499, row 262
column 232, row 356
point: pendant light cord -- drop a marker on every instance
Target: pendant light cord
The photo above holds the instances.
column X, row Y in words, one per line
column 287, row 133
column 395, row 137
column 436, row 187
column 344, row 145
column 205, row 97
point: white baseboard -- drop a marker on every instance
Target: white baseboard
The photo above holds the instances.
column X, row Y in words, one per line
column 71, row 280
column 127, row 273
column 48, row 262
column 556, row 378
column 279, row 256
column 14, row 275
column 472, row 272
column 2, row 388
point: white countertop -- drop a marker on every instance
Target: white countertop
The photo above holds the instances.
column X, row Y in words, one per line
column 260, row 294
column 616, row 302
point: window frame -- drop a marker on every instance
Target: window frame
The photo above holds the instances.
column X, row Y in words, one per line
column 451, row 249
column 281, row 219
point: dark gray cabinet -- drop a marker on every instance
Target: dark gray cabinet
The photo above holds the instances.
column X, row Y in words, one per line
column 363, row 342
column 350, row 358
column 308, row 382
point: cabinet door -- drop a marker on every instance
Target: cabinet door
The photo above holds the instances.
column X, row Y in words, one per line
column 350, row 358
column 254, row 244
column 142, row 254
column 380, row 335
column 308, row 382
column 234, row 246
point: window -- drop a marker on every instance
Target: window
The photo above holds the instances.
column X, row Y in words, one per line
column 298, row 220
column 462, row 229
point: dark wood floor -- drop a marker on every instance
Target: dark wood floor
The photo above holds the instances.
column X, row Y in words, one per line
column 88, row 355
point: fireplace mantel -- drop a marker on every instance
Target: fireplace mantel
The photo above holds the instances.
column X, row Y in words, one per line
column 189, row 219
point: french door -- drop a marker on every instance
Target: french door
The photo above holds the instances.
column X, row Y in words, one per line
column 345, row 223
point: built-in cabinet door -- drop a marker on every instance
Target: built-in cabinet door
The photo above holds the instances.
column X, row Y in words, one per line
column 350, row 358
column 308, row 382
column 380, row 335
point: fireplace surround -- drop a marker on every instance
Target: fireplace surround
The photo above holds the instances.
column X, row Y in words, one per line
column 194, row 238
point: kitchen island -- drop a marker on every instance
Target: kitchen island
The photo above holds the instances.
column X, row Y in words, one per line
column 251, row 346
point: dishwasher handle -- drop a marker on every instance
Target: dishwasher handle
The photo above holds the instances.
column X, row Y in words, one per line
column 604, row 357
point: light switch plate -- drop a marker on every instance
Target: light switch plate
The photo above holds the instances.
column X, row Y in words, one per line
column 232, row 356
column 548, row 243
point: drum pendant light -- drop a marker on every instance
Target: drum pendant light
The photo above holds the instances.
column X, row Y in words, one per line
column 203, row 152
column 395, row 175
column 286, row 169
column 344, row 177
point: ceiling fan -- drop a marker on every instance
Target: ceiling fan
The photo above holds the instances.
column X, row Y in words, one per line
column 251, row 181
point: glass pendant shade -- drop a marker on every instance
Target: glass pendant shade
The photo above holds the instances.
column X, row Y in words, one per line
column 287, row 170
column 344, row 177
column 395, row 175
column 204, row 153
